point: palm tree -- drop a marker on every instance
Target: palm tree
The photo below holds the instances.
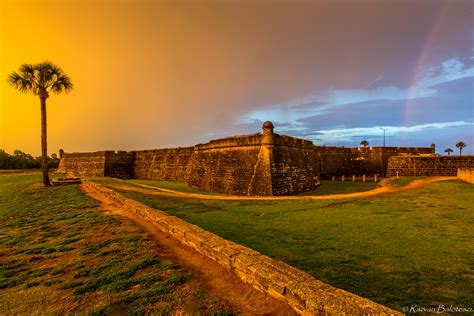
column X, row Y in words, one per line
column 461, row 145
column 449, row 151
column 40, row 79
column 364, row 143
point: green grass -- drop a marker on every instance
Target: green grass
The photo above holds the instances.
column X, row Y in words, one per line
column 327, row 186
column 59, row 254
column 341, row 187
column 401, row 249
column 176, row 186
column 403, row 181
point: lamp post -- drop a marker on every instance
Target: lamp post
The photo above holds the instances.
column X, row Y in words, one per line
column 383, row 129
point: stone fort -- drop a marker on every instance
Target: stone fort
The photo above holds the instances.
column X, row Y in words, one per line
column 261, row 164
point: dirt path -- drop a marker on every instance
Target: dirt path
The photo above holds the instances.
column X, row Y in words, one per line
column 221, row 283
column 382, row 190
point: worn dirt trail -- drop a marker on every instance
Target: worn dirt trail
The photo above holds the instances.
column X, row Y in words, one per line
column 381, row 190
column 221, row 283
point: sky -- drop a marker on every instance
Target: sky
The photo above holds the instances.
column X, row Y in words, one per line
column 152, row 74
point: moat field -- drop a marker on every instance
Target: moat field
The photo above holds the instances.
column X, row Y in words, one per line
column 399, row 249
column 59, row 254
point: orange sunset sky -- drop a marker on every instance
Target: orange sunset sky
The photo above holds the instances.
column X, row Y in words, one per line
column 152, row 74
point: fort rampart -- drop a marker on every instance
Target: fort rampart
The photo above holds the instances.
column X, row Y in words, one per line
column 258, row 164
column 412, row 165
column 336, row 161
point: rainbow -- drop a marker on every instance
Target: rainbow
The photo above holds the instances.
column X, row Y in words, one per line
column 425, row 49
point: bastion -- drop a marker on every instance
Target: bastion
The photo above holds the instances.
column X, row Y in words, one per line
column 261, row 164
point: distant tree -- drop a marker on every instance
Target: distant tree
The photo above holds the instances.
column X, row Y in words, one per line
column 364, row 143
column 23, row 160
column 449, row 151
column 53, row 162
column 40, row 79
column 461, row 145
column 6, row 160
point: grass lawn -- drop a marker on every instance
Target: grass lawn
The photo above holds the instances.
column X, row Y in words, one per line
column 59, row 255
column 401, row 249
column 327, row 186
column 403, row 181
column 176, row 186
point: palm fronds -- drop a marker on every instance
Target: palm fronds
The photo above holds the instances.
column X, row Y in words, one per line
column 40, row 78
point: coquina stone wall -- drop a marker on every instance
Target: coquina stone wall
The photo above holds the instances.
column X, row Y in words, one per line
column 339, row 161
column 295, row 166
column 357, row 161
column 466, row 174
column 258, row 164
column 229, row 166
column 83, row 164
column 427, row 165
column 169, row 164
column 119, row 164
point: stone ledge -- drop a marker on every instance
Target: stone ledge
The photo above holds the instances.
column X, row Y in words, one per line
column 305, row 294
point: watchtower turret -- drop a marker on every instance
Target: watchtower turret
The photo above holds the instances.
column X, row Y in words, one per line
column 268, row 137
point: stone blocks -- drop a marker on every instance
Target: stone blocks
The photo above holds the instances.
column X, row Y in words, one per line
column 261, row 164
column 427, row 165
column 466, row 174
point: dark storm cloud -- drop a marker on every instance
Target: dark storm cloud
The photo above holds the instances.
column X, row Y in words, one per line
column 176, row 73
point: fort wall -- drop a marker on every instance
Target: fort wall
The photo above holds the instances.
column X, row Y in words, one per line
column 466, row 174
column 427, row 165
column 83, row 164
column 228, row 166
column 119, row 164
column 258, row 164
column 337, row 161
column 170, row 164
column 295, row 166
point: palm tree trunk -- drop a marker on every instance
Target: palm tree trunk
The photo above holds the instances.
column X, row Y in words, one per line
column 44, row 144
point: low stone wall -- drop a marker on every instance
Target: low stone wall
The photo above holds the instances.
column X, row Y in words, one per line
column 305, row 294
column 466, row 174
column 428, row 165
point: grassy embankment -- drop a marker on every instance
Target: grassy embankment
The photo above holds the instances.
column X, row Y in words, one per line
column 401, row 249
column 176, row 186
column 59, row 254
column 403, row 181
column 327, row 186
column 341, row 187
